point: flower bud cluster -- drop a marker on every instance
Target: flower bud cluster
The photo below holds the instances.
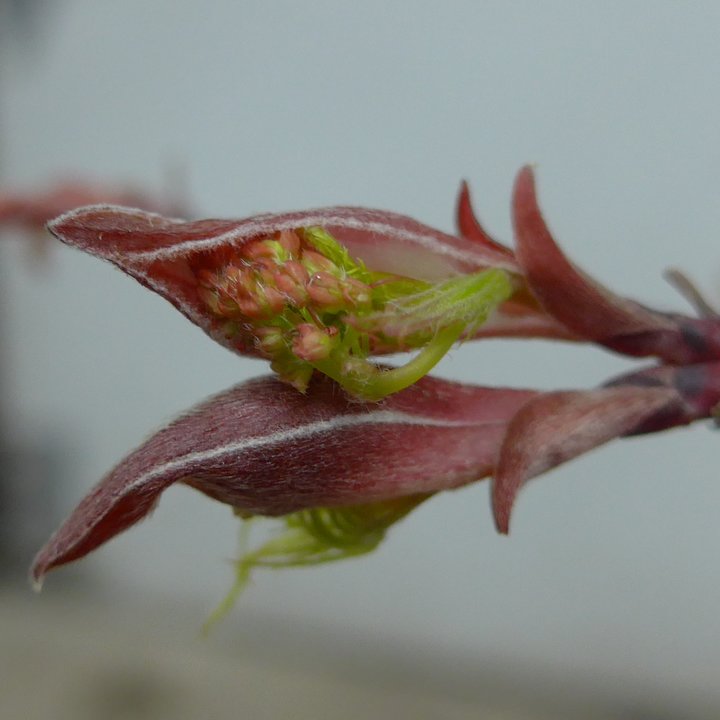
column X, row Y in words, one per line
column 299, row 299
column 286, row 297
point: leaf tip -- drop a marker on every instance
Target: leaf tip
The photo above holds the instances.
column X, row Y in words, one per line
column 36, row 583
column 524, row 192
column 503, row 494
column 39, row 569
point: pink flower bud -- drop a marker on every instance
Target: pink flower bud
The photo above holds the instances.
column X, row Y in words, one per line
column 313, row 343
column 326, row 292
column 314, row 263
column 292, row 280
column 271, row 341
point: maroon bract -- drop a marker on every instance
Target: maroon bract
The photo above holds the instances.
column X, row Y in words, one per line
column 469, row 226
column 171, row 257
column 521, row 316
column 555, row 427
column 266, row 449
column 591, row 311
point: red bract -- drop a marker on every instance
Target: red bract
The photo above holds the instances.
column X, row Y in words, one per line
column 266, row 449
column 555, row 427
column 590, row 310
column 558, row 426
column 171, row 256
column 552, row 298
column 469, row 226
column 521, row 315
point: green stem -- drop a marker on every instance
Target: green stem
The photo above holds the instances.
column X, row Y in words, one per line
column 369, row 382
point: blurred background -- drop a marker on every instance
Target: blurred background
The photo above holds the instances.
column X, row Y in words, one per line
column 604, row 600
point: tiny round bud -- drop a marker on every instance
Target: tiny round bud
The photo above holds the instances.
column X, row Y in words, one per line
column 290, row 242
column 270, row 341
column 272, row 299
column 312, row 343
column 356, row 293
column 260, row 249
column 210, row 298
column 315, row 262
column 293, row 290
column 326, row 292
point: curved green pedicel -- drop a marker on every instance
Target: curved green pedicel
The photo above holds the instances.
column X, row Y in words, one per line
column 433, row 319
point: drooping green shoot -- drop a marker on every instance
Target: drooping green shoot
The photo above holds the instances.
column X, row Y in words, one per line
column 315, row 537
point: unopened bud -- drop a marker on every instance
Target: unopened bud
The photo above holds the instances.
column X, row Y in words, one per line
column 294, row 371
column 270, row 299
column 315, row 262
column 291, row 279
column 278, row 249
column 270, row 341
column 290, row 242
column 210, row 299
column 325, row 291
column 313, row 343
column 356, row 293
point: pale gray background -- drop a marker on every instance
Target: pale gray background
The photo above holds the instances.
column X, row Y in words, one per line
column 611, row 570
